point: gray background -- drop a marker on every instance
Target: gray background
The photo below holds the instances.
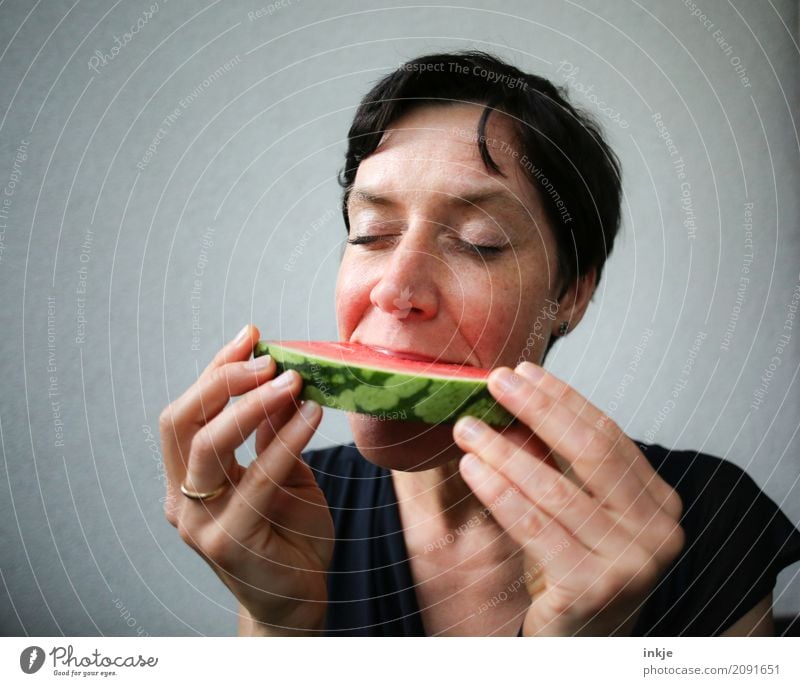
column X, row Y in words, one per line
column 242, row 183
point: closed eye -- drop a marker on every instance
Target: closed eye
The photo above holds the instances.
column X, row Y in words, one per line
column 482, row 250
column 365, row 240
column 465, row 246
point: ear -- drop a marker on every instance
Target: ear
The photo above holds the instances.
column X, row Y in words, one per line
column 574, row 301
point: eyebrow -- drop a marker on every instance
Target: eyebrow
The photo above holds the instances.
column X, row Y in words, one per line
column 480, row 197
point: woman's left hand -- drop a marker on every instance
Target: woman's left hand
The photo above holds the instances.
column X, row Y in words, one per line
column 596, row 536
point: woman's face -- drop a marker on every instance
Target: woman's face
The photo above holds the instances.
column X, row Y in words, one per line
column 416, row 284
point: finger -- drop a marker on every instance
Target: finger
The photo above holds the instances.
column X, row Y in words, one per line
column 551, row 384
column 588, row 451
column 271, row 425
column 562, row 576
column 553, row 552
column 272, row 467
column 245, row 506
column 607, row 477
column 547, row 488
column 181, row 420
column 521, row 436
column 212, row 456
column 659, row 489
column 237, row 350
column 209, row 394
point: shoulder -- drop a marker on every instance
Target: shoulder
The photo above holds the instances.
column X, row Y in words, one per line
column 737, row 540
column 709, row 485
column 698, row 475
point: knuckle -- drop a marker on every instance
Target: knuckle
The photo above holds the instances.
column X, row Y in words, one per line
column 213, row 546
column 260, row 476
column 538, row 403
column 218, row 382
column 674, row 542
column 187, row 535
column 644, row 574
column 171, row 510
column 560, row 603
column 202, row 443
column 597, row 442
column 563, row 392
column 498, row 450
column 166, row 420
column 218, row 548
column 559, row 495
column 612, row 430
column 549, row 384
column 218, row 375
column 532, row 524
column 255, row 402
column 674, row 504
column 171, row 517
column 635, row 575
column 603, row 421
column 610, row 584
column 218, row 360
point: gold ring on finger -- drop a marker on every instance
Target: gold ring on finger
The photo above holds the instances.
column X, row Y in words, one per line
column 210, row 495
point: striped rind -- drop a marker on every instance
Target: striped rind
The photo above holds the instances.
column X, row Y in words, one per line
column 387, row 393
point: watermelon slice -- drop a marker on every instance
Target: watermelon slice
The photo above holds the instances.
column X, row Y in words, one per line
column 358, row 378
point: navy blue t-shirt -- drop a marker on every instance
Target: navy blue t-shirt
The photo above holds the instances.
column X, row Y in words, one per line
column 737, row 540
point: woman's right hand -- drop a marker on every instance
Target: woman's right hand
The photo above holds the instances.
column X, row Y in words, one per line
column 269, row 536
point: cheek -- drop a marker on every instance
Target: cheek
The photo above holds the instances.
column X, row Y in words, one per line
column 353, row 289
column 504, row 316
column 499, row 315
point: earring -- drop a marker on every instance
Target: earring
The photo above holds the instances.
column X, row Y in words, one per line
column 563, row 328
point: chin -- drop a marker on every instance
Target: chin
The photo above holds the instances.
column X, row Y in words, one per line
column 403, row 445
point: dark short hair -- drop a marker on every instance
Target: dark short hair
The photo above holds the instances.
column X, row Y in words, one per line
column 576, row 174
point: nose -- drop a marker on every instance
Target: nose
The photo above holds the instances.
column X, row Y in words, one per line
column 407, row 286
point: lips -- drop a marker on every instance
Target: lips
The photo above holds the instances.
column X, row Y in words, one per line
column 410, row 355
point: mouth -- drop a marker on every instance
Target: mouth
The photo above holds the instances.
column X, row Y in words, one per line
column 411, row 355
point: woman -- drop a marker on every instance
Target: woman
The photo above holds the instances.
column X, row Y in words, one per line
column 480, row 208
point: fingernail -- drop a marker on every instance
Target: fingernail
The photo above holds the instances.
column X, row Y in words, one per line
column 258, row 364
column 241, row 335
column 507, row 380
column 470, row 464
column 530, row 371
column 283, row 380
column 308, row 409
column 470, row 428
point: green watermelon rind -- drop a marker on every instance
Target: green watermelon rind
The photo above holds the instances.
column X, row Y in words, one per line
column 387, row 394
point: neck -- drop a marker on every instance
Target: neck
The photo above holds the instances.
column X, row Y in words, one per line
column 446, row 523
column 439, row 493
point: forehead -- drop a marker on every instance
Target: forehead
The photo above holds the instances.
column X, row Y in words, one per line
column 435, row 148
